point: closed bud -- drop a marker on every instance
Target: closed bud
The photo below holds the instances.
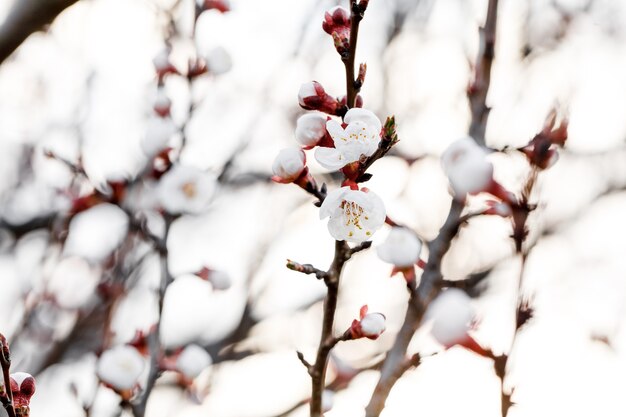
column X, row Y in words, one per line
column 370, row 325
column 288, row 165
column 312, row 96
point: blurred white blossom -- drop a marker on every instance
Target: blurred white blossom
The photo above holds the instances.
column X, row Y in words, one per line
column 185, row 189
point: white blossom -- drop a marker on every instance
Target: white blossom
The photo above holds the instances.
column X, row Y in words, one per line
column 192, row 361
column 310, row 129
column 120, row 367
column 402, row 248
column 219, row 61
column 220, row 280
column 96, row 232
column 159, row 131
column 289, row 164
column 373, row 325
column 467, row 167
column 452, row 314
column 354, row 215
column 360, row 138
column 186, row 189
column 73, row 282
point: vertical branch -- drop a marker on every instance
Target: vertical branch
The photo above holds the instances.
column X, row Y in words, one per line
column 327, row 341
column 5, row 364
column 352, row 86
column 482, row 78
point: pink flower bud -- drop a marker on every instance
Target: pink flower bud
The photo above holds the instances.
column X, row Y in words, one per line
column 22, row 388
column 370, row 325
column 312, row 96
column 337, row 24
column 288, row 165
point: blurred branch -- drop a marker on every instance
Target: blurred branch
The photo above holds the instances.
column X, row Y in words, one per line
column 482, row 78
column 26, row 17
column 395, row 363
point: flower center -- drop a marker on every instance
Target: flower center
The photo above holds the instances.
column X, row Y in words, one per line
column 352, row 213
column 189, row 189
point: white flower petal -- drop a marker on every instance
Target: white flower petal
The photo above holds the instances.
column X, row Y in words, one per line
column 310, row 129
column 452, row 315
column 402, row 248
column 330, row 158
column 193, row 360
column 365, row 116
column 120, row 367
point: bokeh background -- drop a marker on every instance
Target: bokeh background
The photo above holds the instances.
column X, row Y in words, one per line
column 84, row 89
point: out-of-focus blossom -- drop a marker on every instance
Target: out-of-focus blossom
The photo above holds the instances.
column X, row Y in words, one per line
column 192, row 361
column 311, row 129
column 452, row 314
column 218, row 61
column 370, row 325
column 220, row 280
column 358, row 139
column 467, row 167
column 162, row 63
column 354, row 214
column 312, row 96
column 73, row 282
column 402, row 248
column 159, row 131
column 288, row 165
column 22, row 388
column 120, row 367
column 96, row 232
column 162, row 103
column 185, row 189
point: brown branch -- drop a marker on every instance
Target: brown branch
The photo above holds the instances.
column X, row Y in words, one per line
column 327, row 341
column 353, row 86
column 5, row 364
column 482, row 78
column 25, row 18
